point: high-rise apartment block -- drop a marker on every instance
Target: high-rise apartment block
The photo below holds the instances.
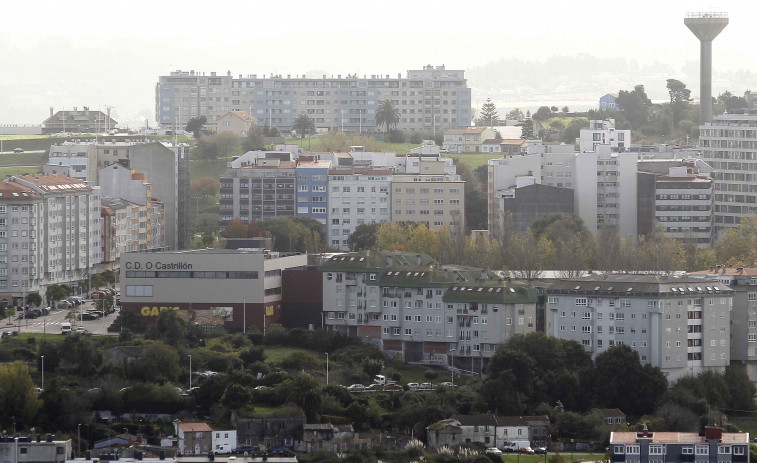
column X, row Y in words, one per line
column 680, row 325
column 50, row 233
column 429, row 99
column 729, row 145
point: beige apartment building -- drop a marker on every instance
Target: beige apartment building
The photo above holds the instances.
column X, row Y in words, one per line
column 237, row 122
column 467, row 140
column 436, row 200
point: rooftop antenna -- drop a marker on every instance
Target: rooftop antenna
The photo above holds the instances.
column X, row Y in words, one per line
column 706, row 26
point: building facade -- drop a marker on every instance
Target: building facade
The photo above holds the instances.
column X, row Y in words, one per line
column 239, row 123
column 713, row 445
column 312, row 188
column 435, row 200
column 50, row 233
column 680, row 325
column 356, row 196
column 246, row 285
column 429, row 99
column 466, row 140
column 420, row 311
column 729, row 145
column 28, row 450
column 79, row 121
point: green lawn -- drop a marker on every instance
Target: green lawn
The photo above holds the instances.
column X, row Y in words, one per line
column 473, row 161
column 564, row 457
column 22, row 159
column 746, row 423
column 19, row 137
column 213, row 169
column 18, row 170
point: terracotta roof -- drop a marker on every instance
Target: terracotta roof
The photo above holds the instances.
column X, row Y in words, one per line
column 678, row 437
column 242, row 115
column 13, row 190
column 194, row 427
column 55, row 182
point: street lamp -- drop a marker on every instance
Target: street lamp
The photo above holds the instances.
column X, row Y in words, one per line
column 43, row 372
column 452, row 364
column 190, row 372
column 572, row 448
column 78, row 440
column 327, row 368
column 244, row 315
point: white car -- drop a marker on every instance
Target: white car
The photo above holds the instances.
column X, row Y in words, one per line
column 356, row 388
column 412, row 386
column 494, row 451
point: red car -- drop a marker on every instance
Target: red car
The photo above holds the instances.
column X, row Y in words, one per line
column 527, row 450
column 392, row 387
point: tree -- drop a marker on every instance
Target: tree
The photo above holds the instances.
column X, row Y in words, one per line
column 168, row 328
column 55, row 293
column 565, row 110
column 227, row 143
column 635, row 106
column 195, row 125
column 204, row 187
column 34, row 299
column 207, row 148
column 680, row 97
column 235, row 397
column 254, row 140
column 364, row 237
column 387, row 114
column 542, row 114
column 527, row 127
column 573, row 130
column 104, row 303
column 515, row 115
column 489, row 113
column 730, row 101
column 303, row 125
column 18, row 396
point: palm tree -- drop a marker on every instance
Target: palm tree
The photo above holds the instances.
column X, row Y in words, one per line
column 303, row 124
column 387, row 114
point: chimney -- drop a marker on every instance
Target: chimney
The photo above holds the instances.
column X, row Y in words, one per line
column 713, row 433
column 417, row 259
column 51, row 111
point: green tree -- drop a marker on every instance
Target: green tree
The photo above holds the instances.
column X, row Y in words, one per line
column 635, row 105
column 204, row 187
column 254, row 140
column 573, row 130
column 364, row 237
column 195, row 125
column 105, row 303
column 227, row 143
column 527, row 127
column 542, row 114
column 730, row 101
column 488, row 113
column 55, row 293
column 304, row 125
column 235, row 397
column 387, row 114
column 159, row 363
column 207, row 148
column 515, row 115
column 168, row 328
column 680, row 97
column 18, row 395
column 34, row 299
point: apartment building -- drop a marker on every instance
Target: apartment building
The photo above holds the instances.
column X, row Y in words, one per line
column 680, row 325
column 604, row 133
column 743, row 281
column 312, row 188
column 429, row 99
column 677, row 447
column 50, row 233
column 128, row 227
column 356, row 196
column 263, row 188
column 79, row 121
column 435, row 200
column 166, row 166
column 421, row 311
column 729, row 145
column 676, row 196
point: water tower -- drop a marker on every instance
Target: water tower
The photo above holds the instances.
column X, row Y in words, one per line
column 706, row 26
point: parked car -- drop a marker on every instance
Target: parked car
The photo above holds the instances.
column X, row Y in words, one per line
column 86, row 316
column 18, row 150
column 412, row 386
column 373, row 387
column 527, row 451
column 448, row 384
column 393, row 387
column 540, row 450
column 80, row 330
column 356, row 388
column 426, row 387
column 5, row 334
column 494, row 451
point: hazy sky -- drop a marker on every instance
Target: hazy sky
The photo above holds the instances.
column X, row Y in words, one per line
column 94, row 53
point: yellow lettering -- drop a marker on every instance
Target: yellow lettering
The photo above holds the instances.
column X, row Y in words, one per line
column 145, row 311
column 154, row 312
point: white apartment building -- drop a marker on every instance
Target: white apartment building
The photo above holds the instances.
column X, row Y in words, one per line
column 356, row 196
column 50, row 233
column 420, row 311
column 429, row 99
column 604, row 133
column 681, row 325
column 729, row 145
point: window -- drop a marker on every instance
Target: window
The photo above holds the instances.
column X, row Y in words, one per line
column 619, row 449
column 139, row 290
column 687, row 450
column 581, row 301
column 738, row 450
column 724, row 450
column 702, row 449
column 655, row 449
column 633, row 449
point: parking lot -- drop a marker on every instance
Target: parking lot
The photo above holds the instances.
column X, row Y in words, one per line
column 51, row 323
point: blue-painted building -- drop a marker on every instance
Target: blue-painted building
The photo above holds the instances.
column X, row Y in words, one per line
column 312, row 188
column 608, row 103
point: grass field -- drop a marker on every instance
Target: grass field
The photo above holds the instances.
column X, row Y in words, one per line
column 564, row 457
column 20, row 137
column 18, row 170
column 746, row 423
column 472, row 161
column 22, row 159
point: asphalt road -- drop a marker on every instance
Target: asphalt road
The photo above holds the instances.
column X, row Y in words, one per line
column 51, row 323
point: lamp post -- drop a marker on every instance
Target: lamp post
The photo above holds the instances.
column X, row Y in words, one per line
column 78, row 440
column 572, row 448
column 452, row 364
column 190, row 372
column 244, row 315
column 327, row 368
column 43, row 372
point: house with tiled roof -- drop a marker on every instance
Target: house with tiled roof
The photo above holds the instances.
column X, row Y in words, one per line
column 236, row 122
column 506, row 147
column 194, row 438
column 468, row 140
column 612, row 418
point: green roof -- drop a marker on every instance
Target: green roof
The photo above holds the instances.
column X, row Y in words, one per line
column 365, row 261
column 491, row 292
